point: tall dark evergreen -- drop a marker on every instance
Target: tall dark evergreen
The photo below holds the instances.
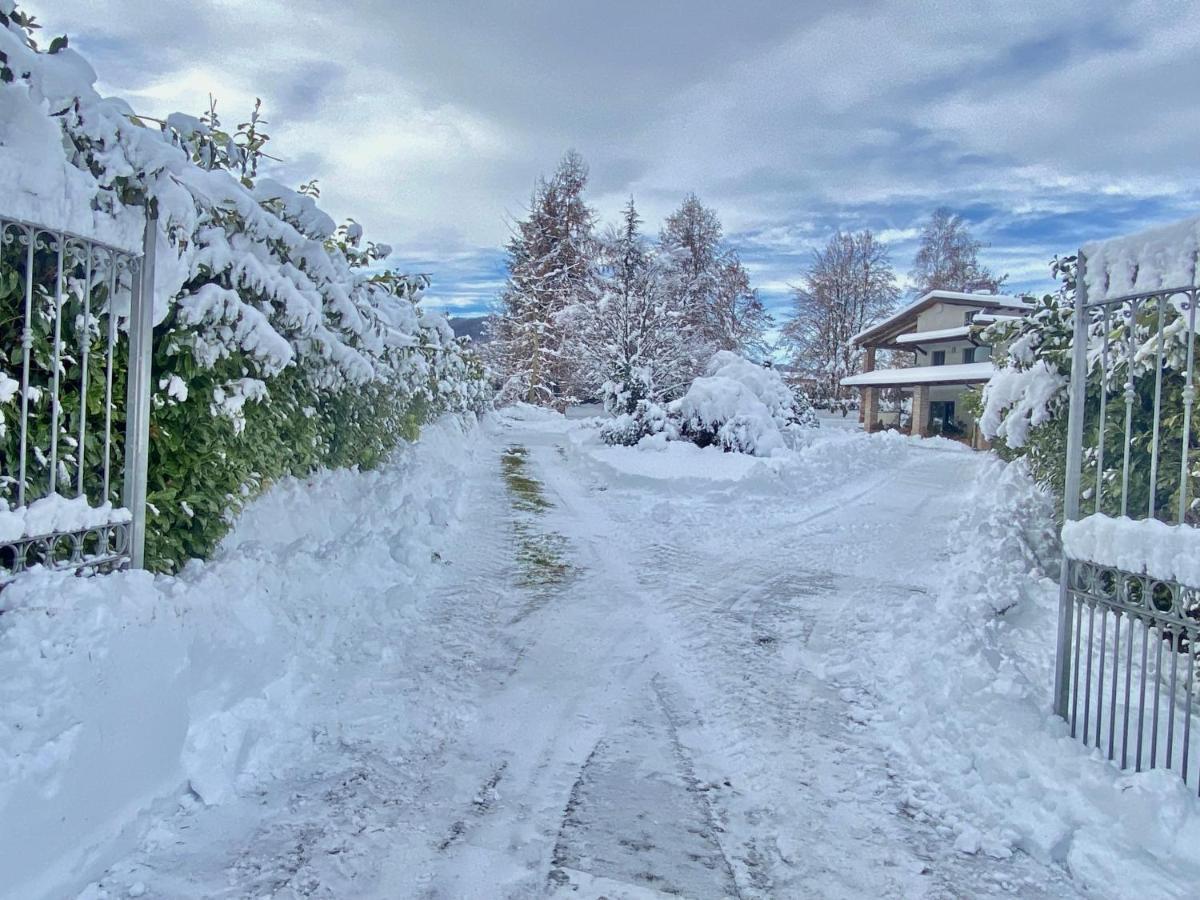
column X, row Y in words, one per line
column 550, row 270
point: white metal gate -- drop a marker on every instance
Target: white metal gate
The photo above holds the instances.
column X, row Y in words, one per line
column 76, row 336
column 1129, row 622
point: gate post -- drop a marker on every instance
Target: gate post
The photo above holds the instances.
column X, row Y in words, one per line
column 137, row 408
column 1078, row 397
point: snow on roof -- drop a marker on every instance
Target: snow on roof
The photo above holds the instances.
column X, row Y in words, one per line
column 996, row 317
column 1164, row 257
column 941, row 334
column 1002, row 301
column 962, row 373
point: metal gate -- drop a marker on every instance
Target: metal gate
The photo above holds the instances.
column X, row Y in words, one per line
column 76, row 338
column 1128, row 622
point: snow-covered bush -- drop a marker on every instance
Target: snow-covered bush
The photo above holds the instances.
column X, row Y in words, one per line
column 276, row 351
column 741, row 406
column 719, row 410
column 627, row 428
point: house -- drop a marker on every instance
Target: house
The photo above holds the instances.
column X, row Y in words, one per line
column 939, row 329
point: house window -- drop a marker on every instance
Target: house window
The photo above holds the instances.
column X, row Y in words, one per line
column 968, row 354
column 939, row 357
column 969, row 316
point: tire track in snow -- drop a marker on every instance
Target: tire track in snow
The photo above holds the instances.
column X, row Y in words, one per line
column 814, row 801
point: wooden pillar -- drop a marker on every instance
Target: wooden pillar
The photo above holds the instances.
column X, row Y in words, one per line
column 920, row 411
column 869, row 408
column 868, row 366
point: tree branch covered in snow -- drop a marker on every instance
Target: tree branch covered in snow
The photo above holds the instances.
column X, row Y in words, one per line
column 281, row 351
column 1025, row 404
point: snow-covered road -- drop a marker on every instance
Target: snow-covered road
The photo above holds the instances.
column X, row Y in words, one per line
column 627, row 687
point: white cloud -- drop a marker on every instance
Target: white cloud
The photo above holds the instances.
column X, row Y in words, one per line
column 429, row 122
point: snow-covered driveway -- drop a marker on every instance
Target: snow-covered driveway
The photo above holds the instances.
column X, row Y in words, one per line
column 627, row 686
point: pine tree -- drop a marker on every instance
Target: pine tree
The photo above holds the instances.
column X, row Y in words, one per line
column 550, row 270
column 710, row 283
column 848, row 286
column 948, row 258
column 631, row 338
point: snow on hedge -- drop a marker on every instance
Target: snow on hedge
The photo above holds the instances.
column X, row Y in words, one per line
column 1144, row 547
column 280, row 346
column 731, row 413
column 269, row 280
column 1019, row 399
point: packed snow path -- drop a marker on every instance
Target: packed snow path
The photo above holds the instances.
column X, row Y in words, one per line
column 630, row 688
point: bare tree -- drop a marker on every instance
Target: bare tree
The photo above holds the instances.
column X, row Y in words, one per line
column 849, row 286
column 948, row 260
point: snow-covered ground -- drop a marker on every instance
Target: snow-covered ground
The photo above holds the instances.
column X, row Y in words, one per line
column 519, row 663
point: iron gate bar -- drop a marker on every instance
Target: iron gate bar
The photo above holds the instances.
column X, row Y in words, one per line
column 116, row 542
column 137, row 407
column 1141, row 607
column 1078, row 394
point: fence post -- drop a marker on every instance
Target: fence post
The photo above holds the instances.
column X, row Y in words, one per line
column 137, row 408
column 1074, row 474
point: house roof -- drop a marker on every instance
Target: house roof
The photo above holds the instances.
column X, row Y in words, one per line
column 964, row 373
column 991, row 318
column 933, row 337
column 882, row 333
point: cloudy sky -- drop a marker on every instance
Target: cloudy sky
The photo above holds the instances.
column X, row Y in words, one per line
column 1046, row 124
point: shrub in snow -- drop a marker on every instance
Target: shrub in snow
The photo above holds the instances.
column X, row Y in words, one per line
column 788, row 405
column 719, row 410
column 1025, row 404
column 742, row 407
column 627, row 428
column 275, row 350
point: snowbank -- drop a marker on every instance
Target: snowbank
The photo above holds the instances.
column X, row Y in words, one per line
column 827, row 456
column 965, row 687
column 656, row 458
column 1146, row 547
column 123, row 690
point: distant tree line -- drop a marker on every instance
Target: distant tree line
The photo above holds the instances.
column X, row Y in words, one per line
column 588, row 312
column 607, row 312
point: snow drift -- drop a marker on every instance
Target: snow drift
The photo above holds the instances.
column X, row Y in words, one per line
column 966, row 705
column 125, row 689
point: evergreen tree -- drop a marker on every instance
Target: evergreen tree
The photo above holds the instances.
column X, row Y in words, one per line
column 848, row 286
column 709, row 282
column 948, row 258
column 550, row 270
column 631, row 338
